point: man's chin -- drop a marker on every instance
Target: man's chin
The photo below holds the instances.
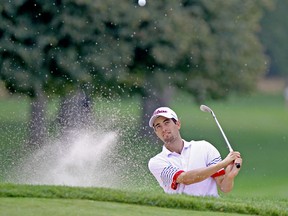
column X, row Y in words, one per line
column 168, row 139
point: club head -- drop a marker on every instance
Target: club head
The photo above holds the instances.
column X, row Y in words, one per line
column 205, row 108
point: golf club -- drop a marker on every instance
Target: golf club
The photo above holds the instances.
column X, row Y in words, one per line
column 205, row 108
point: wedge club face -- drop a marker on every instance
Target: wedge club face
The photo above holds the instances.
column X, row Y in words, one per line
column 205, row 108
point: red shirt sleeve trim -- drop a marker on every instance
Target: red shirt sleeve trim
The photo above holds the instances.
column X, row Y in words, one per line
column 174, row 181
column 219, row 173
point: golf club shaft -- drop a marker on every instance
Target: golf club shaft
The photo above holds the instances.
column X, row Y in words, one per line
column 207, row 109
column 226, row 140
column 223, row 134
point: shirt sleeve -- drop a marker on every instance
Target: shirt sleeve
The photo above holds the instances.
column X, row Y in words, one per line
column 165, row 174
column 214, row 157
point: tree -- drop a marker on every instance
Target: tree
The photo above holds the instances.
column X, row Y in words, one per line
column 45, row 49
column 208, row 48
column 274, row 29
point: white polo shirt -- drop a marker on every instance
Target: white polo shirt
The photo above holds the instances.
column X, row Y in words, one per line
column 195, row 154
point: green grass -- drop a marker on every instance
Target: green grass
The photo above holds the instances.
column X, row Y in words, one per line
column 75, row 196
column 38, row 206
column 255, row 125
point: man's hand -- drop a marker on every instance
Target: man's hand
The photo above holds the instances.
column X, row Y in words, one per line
column 232, row 157
column 231, row 170
column 226, row 182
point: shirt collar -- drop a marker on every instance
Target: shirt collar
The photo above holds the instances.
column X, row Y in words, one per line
column 186, row 144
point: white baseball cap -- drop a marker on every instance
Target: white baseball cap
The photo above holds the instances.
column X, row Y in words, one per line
column 162, row 111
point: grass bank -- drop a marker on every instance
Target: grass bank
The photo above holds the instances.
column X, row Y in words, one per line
column 248, row 206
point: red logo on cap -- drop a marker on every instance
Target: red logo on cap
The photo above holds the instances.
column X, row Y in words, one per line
column 159, row 111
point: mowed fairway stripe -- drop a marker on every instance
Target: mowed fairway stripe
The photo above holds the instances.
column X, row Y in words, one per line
column 71, row 207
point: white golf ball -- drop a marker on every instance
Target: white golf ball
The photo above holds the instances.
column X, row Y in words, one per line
column 141, row 2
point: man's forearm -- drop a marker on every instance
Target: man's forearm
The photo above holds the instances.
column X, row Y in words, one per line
column 227, row 184
column 198, row 175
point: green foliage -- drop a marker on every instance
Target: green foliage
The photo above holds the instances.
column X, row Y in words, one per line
column 209, row 49
column 204, row 47
column 273, row 34
column 233, row 58
column 51, row 46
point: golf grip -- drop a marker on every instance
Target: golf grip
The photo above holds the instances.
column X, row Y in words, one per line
column 238, row 165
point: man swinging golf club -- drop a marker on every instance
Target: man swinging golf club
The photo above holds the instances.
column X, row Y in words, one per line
column 193, row 168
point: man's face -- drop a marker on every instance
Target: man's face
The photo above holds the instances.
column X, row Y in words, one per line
column 166, row 129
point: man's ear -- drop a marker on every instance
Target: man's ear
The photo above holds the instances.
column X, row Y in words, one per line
column 178, row 123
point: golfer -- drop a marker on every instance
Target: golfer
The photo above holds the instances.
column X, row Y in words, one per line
column 193, row 168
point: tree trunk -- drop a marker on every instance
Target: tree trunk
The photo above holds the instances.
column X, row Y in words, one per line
column 75, row 112
column 152, row 101
column 37, row 124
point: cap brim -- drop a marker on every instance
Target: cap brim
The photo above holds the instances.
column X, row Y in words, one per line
column 152, row 119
